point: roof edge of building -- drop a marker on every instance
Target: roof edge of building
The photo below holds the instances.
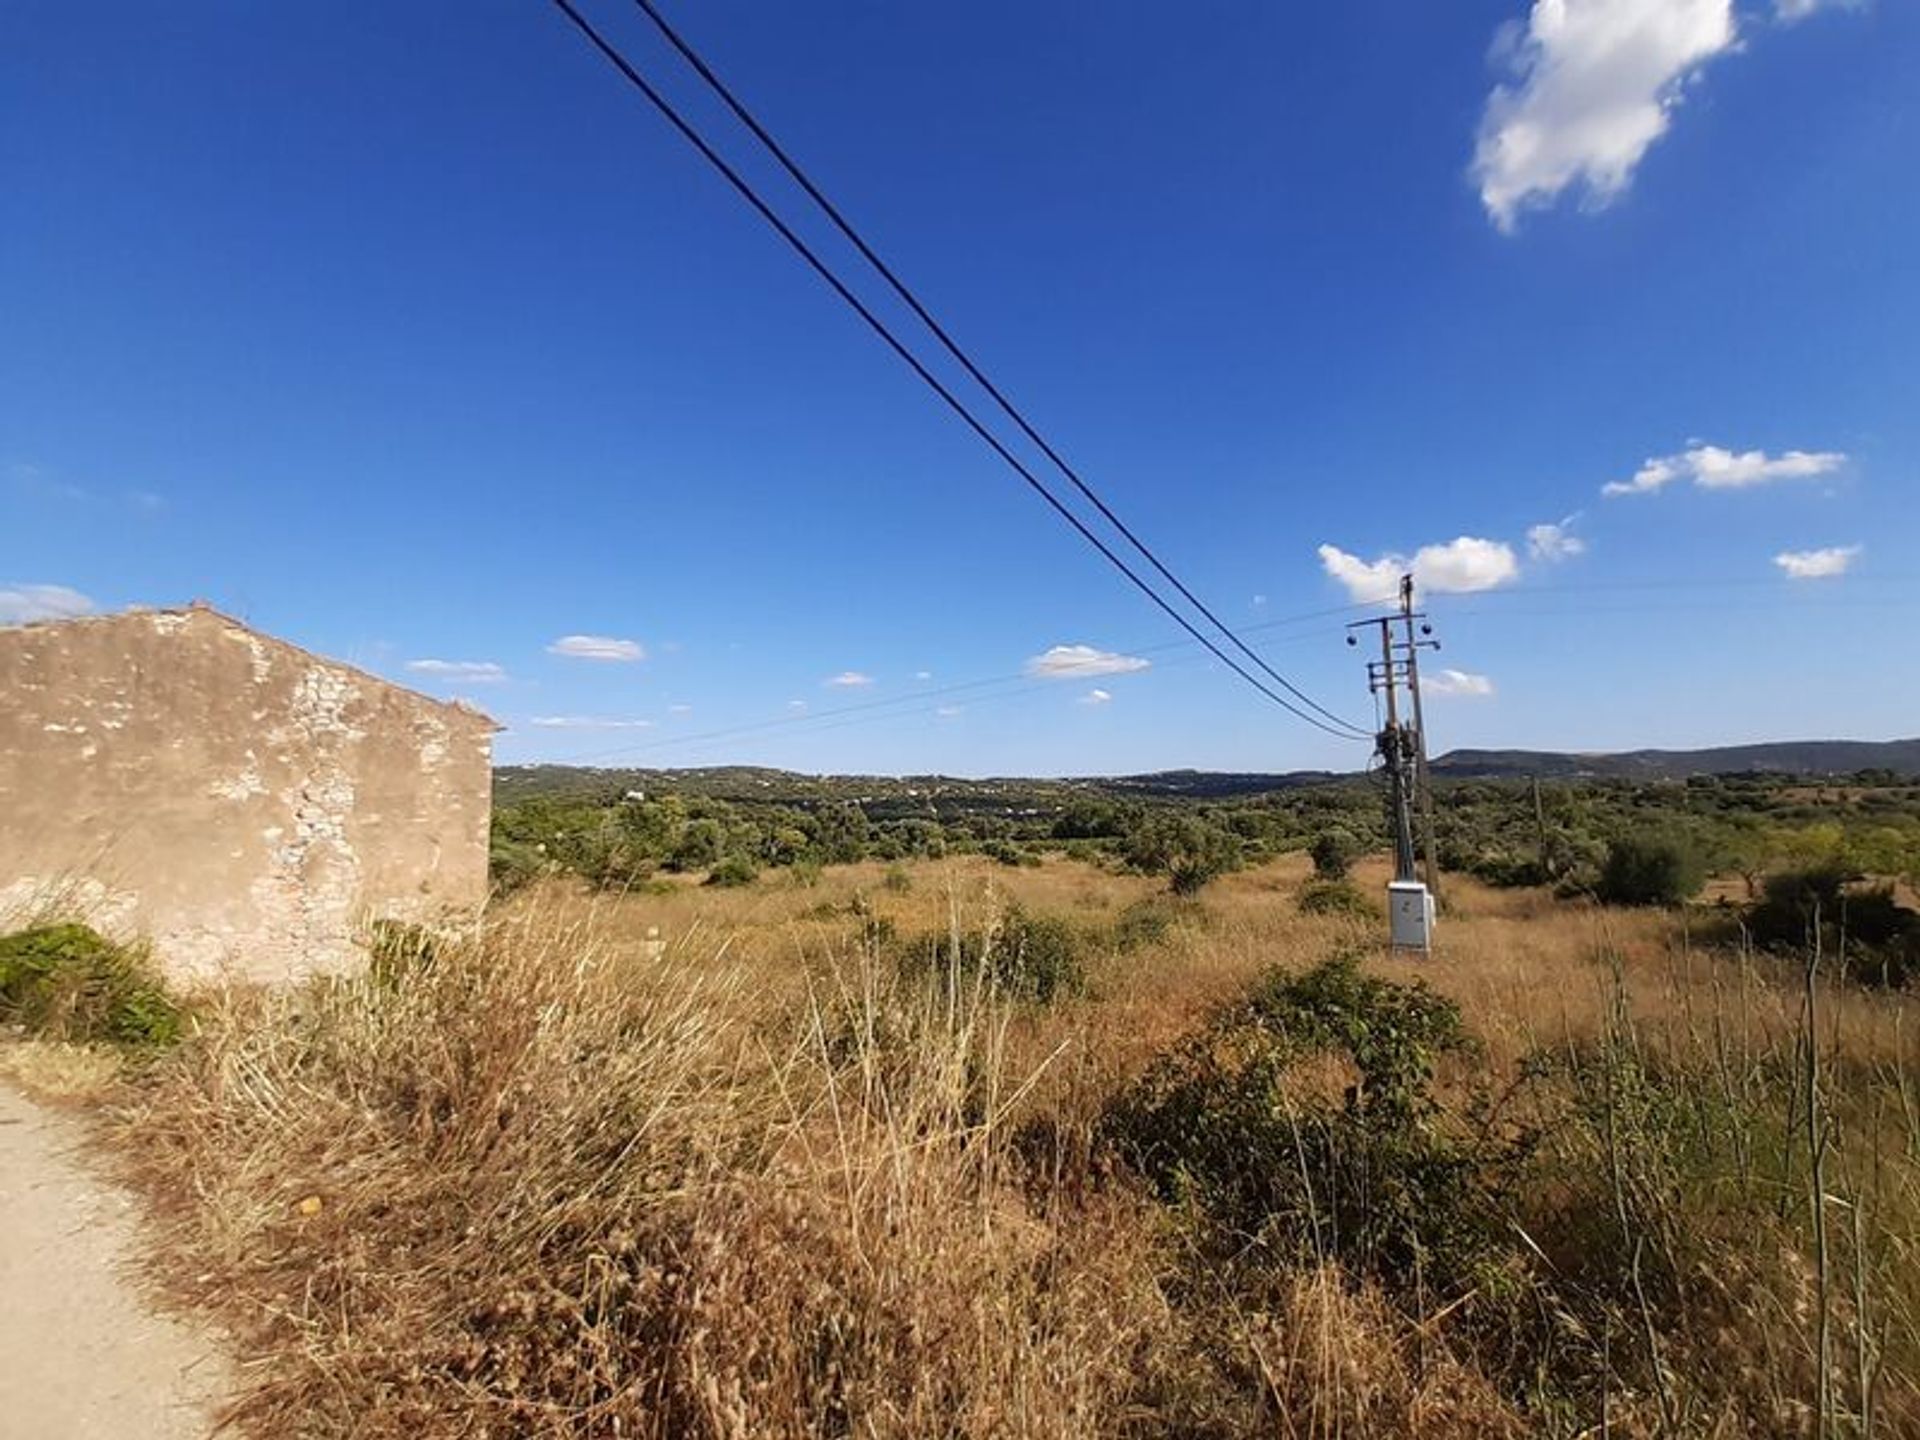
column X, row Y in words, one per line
column 200, row 607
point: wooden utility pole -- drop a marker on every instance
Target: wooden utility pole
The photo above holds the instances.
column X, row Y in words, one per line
column 1422, row 780
column 1395, row 749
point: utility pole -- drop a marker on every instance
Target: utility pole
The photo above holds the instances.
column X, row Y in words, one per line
column 1422, row 779
column 1402, row 750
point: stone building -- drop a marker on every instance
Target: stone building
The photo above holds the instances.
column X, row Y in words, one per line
column 244, row 805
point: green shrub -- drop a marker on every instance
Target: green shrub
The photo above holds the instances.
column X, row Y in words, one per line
column 1273, row 1172
column 733, row 872
column 1143, row 923
column 896, row 880
column 1650, row 870
column 1877, row 938
column 1333, row 853
column 1188, row 850
column 68, row 982
column 1336, row 897
column 1028, row 957
column 513, row 864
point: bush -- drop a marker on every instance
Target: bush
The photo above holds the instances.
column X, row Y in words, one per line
column 1336, row 897
column 1649, row 870
column 513, row 864
column 1025, row 957
column 896, row 881
column 1333, row 853
column 1143, row 923
column 1227, row 1129
column 733, row 871
column 1879, row 938
column 68, row 982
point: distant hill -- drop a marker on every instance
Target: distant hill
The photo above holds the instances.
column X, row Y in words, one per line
column 946, row 795
column 1787, row 757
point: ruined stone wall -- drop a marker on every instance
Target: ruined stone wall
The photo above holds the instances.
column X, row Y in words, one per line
column 245, row 805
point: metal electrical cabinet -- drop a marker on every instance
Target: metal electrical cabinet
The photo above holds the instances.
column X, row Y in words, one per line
column 1410, row 915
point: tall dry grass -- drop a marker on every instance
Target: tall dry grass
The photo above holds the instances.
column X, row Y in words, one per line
column 564, row 1181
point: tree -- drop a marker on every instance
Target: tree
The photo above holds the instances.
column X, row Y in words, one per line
column 1188, row 850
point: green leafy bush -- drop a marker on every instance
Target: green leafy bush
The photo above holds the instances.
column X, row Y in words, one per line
column 68, row 982
column 896, row 881
column 733, row 871
column 1650, row 870
column 1336, row 897
column 1333, row 853
column 1225, row 1128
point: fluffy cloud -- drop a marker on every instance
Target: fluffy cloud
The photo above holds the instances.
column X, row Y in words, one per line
column 473, row 672
column 1457, row 684
column 588, row 722
column 947, row 712
column 848, row 680
column 1096, row 697
column 1713, row 468
column 798, row 707
column 1080, row 662
column 1458, row 567
column 1548, row 543
column 1592, row 84
column 1817, row 564
column 24, row 604
column 923, row 674
column 597, row 647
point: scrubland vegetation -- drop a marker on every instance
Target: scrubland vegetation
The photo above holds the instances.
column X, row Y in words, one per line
column 1111, row 1119
column 959, row 1148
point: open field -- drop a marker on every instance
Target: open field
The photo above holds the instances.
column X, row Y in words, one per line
column 758, row 1161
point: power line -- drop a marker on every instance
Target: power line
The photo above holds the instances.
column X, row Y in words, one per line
column 820, row 267
column 913, row 302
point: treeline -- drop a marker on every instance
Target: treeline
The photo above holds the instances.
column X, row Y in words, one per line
column 624, row 840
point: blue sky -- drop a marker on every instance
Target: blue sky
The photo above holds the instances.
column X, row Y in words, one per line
column 409, row 333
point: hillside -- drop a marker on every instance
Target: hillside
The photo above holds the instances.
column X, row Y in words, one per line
column 935, row 793
column 1788, row 757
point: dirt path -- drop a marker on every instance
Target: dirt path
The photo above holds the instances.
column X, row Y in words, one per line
column 81, row 1354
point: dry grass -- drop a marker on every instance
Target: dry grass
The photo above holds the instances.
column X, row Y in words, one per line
column 563, row 1181
column 59, row 1071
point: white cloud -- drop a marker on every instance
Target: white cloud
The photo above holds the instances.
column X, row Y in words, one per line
column 23, row 604
column 1096, row 697
column 799, row 707
column 1592, row 84
column 1259, row 602
column 848, row 680
column 1817, row 564
column 1548, row 543
column 1458, row 684
column 1713, row 468
column 474, row 672
column 681, row 709
column 947, row 712
column 1790, row 11
column 597, row 647
column 1081, row 662
column 588, row 722
column 1458, row 567
column 923, row 674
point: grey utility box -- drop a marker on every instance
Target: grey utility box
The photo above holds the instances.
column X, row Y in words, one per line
column 1410, row 915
